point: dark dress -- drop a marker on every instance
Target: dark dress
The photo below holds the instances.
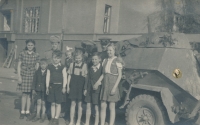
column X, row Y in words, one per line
column 93, row 96
column 76, row 84
column 56, row 84
column 39, row 84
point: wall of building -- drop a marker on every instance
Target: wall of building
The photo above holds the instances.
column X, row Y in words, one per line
column 133, row 15
column 80, row 16
column 99, row 18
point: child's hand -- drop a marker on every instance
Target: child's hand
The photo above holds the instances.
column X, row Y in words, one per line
column 34, row 93
column 63, row 90
column 113, row 91
column 68, row 90
column 85, row 92
column 47, row 91
column 96, row 85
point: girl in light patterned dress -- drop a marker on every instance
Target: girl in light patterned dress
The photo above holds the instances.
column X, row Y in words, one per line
column 27, row 65
column 112, row 73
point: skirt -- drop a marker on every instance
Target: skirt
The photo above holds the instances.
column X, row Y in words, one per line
column 107, row 86
column 76, row 87
column 26, row 85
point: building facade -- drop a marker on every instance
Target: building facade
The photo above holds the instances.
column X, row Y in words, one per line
column 74, row 20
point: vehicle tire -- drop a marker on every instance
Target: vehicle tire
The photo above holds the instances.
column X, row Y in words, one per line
column 145, row 110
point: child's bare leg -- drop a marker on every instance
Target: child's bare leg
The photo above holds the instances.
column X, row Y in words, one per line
column 79, row 113
column 38, row 107
column 72, row 111
column 88, row 114
column 58, row 110
column 43, row 107
column 112, row 113
column 53, row 109
column 23, row 105
column 96, row 115
column 103, row 112
column 28, row 103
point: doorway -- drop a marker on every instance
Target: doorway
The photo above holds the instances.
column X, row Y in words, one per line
column 3, row 50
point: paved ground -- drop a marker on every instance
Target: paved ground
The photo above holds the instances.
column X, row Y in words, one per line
column 10, row 103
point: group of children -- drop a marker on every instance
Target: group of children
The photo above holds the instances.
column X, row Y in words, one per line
column 96, row 85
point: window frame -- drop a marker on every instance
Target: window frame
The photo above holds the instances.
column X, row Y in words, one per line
column 35, row 17
column 106, row 29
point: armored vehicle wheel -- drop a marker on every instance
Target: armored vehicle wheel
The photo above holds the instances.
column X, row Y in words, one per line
column 145, row 110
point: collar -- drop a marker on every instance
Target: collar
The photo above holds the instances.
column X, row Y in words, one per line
column 96, row 66
column 29, row 53
column 112, row 58
column 78, row 64
column 59, row 64
column 43, row 70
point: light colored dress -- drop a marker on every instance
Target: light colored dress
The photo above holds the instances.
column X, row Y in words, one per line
column 28, row 68
column 110, row 72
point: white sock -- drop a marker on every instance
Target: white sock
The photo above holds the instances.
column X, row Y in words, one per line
column 22, row 112
column 27, row 112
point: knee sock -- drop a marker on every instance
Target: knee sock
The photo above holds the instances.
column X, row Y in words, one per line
column 22, row 112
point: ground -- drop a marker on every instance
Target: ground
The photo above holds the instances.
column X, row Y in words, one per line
column 10, row 103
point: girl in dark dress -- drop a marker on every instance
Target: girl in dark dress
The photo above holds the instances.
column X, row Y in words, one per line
column 27, row 65
column 76, row 80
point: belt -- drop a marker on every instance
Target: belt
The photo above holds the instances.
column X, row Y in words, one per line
column 57, row 83
column 112, row 74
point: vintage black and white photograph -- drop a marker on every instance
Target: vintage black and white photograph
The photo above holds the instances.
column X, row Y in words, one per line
column 99, row 62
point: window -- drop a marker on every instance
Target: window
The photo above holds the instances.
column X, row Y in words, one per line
column 31, row 19
column 107, row 15
column 6, row 20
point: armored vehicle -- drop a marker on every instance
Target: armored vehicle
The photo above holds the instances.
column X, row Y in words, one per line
column 161, row 79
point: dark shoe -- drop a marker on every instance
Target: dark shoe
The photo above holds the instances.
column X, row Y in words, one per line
column 66, row 122
column 51, row 121
column 56, row 122
column 62, row 115
column 21, row 116
column 28, row 117
column 35, row 119
column 43, row 117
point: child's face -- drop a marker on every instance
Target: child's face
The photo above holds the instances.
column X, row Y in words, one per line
column 78, row 59
column 68, row 54
column 30, row 46
column 110, row 51
column 95, row 60
column 43, row 65
column 56, row 59
column 54, row 45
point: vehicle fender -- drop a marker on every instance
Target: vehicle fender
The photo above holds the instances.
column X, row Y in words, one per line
column 167, row 99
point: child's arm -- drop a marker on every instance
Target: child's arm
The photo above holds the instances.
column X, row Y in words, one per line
column 34, row 81
column 64, row 79
column 19, row 72
column 68, row 82
column 47, row 81
column 69, row 76
column 98, row 83
column 117, row 82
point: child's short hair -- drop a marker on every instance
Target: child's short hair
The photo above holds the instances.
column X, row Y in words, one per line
column 68, row 51
column 96, row 54
column 78, row 53
column 57, row 53
column 43, row 60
